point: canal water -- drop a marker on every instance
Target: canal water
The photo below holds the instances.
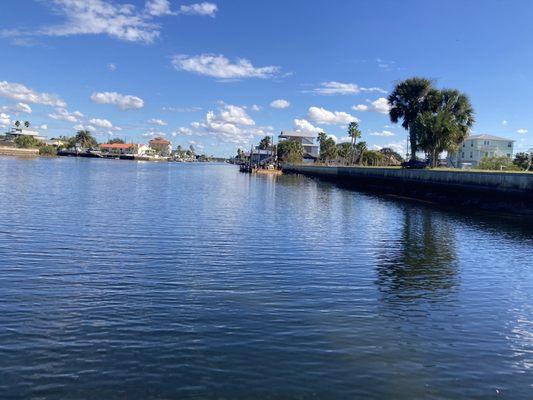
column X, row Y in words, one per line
column 124, row 280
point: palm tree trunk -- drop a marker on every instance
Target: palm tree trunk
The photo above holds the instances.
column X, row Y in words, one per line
column 412, row 141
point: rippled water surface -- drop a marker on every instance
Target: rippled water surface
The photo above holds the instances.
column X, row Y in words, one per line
column 124, row 280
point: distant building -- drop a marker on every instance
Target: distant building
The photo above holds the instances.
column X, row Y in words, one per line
column 307, row 140
column 477, row 147
column 161, row 146
column 18, row 132
column 261, row 156
column 124, row 148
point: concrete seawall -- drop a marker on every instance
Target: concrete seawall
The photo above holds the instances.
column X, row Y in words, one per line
column 495, row 191
column 13, row 151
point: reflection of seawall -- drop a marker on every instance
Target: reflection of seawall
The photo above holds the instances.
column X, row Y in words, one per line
column 507, row 192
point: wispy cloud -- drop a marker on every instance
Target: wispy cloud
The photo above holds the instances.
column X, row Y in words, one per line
column 342, row 88
column 205, row 8
column 19, row 92
column 122, row 101
column 280, row 103
column 218, row 66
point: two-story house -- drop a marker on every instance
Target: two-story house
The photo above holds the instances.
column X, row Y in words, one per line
column 477, row 147
column 307, row 141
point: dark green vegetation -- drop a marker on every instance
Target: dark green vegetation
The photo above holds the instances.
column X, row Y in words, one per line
column 26, row 142
column 437, row 120
column 48, row 150
column 290, row 152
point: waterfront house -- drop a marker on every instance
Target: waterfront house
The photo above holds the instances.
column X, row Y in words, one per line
column 161, row 146
column 477, row 147
column 306, row 139
column 261, row 156
column 118, row 149
column 20, row 132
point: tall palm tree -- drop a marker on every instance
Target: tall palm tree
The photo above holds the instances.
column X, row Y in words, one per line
column 445, row 125
column 355, row 133
column 85, row 139
column 27, row 124
column 407, row 101
column 17, row 124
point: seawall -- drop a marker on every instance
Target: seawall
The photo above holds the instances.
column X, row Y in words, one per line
column 495, row 191
column 13, row 151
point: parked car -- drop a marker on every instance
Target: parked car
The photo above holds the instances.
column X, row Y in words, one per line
column 414, row 164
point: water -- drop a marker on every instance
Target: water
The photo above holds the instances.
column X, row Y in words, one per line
column 122, row 280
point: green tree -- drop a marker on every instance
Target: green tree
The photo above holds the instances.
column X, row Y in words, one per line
column 346, row 152
column 328, row 148
column 407, row 101
column 17, row 124
column 445, row 125
column 290, row 151
column 497, row 164
column 391, row 156
column 47, row 150
column 27, row 124
column 355, row 133
column 265, row 143
column 191, row 149
column 524, row 160
column 26, row 142
column 83, row 139
column 360, row 149
column 373, row 158
column 115, row 140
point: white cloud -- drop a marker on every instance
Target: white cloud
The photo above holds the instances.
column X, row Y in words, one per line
column 81, row 127
column 341, row 88
column 322, row 116
column 156, row 121
column 255, row 107
column 124, row 102
column 205, row 8
column 96, row 17
column 231, row 124
column 5, row 119
column 303, row 125
column 521, row 130
column 380, row 105
column 182, row 131
column 280, row 103
column 43, row 127
column 398, row 147
column 112, row 67
column 62, row 114
column 182, row 109
column 158, row 8
column 218, row 66
column 382, row 133
column 504, row 122
column 19, row 92
column 17, row 108
column 101, row 123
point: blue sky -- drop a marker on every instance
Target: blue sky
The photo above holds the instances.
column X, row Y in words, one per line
column 222, row 74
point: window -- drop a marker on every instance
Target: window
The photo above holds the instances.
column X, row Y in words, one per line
column 463, row 154
column 471, row 144
column 464, row 144
column 508, row 155
column 510, row 144
column 486, row 154
column 471, row 154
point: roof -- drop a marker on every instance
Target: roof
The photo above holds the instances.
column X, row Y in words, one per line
column 159, row 140
column 116, row 145
column 262, row 151
column 488, row 137
column 297, row 134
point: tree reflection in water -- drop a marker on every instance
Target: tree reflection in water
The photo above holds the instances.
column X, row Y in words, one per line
column 422, row 262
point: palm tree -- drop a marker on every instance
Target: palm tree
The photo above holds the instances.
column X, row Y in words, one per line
column 407, row 101
column 84, row 139
column 355, row 133
column 27, row 124
column 17, row 124
column 361, row 148
column 445, row 125
column 265, row 143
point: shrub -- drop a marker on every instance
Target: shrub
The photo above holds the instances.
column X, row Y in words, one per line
column 26, row 142
column 48, row 150
column 497, row 164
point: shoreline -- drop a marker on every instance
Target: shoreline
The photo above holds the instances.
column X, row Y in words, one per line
column 501, row 192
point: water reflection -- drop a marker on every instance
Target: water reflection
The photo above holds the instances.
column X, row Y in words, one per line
column 422, row 261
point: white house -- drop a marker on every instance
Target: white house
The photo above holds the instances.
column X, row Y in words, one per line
column 17, row 132
column 477, row 147
column 307, row 141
